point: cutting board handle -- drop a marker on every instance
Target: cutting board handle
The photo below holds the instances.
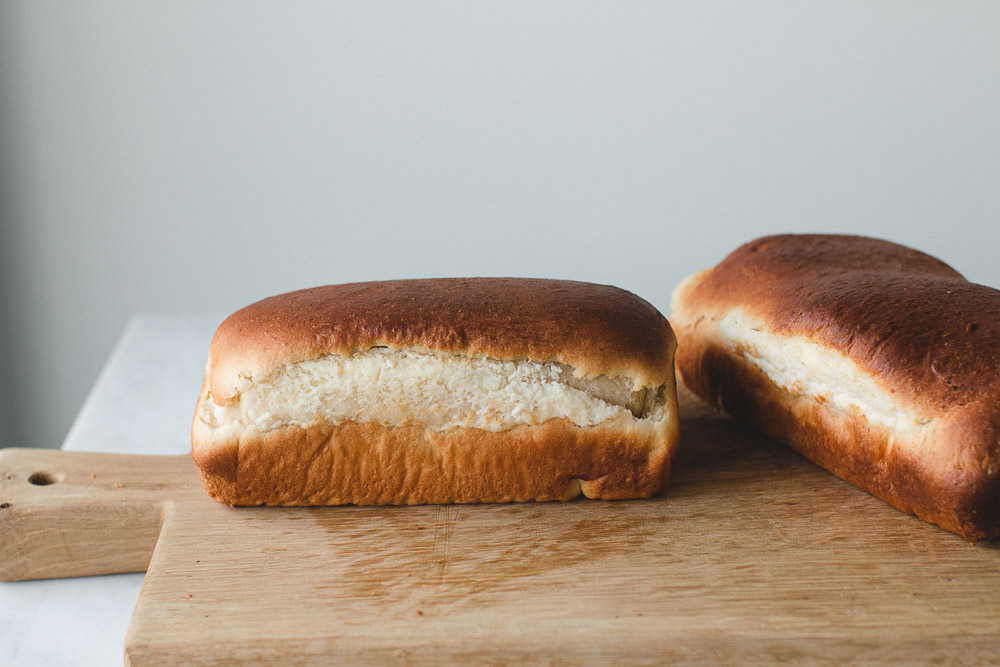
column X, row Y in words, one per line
column 67, row 514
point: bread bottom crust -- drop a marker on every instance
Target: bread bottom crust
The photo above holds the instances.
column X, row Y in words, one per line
column 942, row 474
column 365, row 463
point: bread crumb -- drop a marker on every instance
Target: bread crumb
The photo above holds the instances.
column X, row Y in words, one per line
column 418, row 612
column 119, row 485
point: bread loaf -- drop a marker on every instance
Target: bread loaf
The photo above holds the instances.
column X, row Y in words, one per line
column 438, row 391
column 878, row 362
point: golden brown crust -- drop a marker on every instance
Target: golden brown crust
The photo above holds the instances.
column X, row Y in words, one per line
column 930, row 338
column 596, row 329
column 374, row 464
column 897, row 313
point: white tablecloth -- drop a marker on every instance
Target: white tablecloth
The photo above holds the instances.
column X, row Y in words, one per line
column 142, row 403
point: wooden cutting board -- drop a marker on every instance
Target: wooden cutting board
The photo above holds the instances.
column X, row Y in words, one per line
column 754, row 554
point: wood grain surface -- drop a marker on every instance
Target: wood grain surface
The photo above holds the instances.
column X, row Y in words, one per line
column 753, row 554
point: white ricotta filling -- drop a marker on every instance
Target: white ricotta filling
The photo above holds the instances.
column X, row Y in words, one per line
column 804, row 368
column 440, row 391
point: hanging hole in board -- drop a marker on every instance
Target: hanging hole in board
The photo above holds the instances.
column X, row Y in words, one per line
column 46, row 478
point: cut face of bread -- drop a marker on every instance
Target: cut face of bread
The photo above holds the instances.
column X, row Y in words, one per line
column 439, row 391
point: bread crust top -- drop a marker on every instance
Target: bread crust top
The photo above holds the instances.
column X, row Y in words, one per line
column 596, row 329
column 905, row 317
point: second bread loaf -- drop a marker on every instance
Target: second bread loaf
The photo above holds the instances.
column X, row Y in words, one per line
column 876, row 361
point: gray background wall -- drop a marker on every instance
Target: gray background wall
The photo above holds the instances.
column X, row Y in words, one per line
column 189, row 156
